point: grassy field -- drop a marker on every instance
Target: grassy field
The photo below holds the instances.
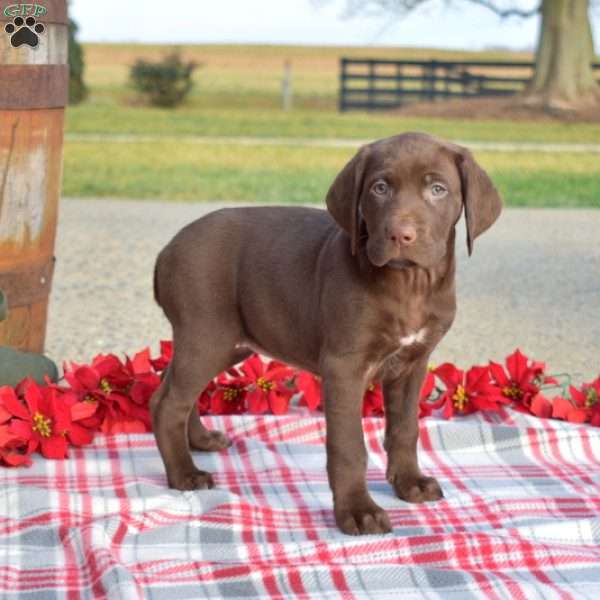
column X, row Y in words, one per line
column 238, row 94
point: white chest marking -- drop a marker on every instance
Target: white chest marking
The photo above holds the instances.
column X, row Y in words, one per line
column 413, row 338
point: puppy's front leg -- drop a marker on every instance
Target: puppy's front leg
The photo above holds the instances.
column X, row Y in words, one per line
column 401, row 397
column 355, row 511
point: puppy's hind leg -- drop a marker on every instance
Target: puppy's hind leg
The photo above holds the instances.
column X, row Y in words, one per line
column 196, row 360
column 200, row 437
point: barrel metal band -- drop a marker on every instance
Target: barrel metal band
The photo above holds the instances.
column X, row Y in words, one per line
column 33, row 87
column 28, row 286
column 56, row 11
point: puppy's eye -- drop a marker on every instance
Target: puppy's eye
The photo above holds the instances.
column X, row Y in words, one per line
column 380, row 188
column 437, row 189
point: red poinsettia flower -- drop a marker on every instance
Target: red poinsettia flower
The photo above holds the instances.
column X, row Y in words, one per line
column 5, row 414
column 311, row 388
column 228, row 399
column 540, row 406
column 270, row 385
column 48, row 420
column 565, row 409
column 203, row 404
column 114, row 374
column 467, row 392
column 144, row 381
column 13, row 449
column 105, row 375
column 166, row 354
column 108, row 382
column 586, row 400
column 140, row 364
column 427, row 389
column 373, row 401
column 521, row 380
column 428, row 384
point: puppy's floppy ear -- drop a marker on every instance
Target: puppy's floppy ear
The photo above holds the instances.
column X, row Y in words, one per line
column 345, row 192
column 481, row 200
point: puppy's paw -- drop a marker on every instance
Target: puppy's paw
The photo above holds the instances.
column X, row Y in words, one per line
column 212, row 441
column 363, row 519
column 417, row 489
column 195, row 480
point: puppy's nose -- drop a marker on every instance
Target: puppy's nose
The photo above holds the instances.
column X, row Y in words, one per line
column 405, row 235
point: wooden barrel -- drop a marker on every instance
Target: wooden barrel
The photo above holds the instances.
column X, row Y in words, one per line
column 34, row 85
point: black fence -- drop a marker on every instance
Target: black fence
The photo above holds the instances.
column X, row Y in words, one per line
column 372, row 84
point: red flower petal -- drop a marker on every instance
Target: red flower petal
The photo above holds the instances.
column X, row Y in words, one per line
column 477, row 379
column 428, row 386
column 54, row 446
column 83, row 410
column 449, row 375
column 253, row 367
column 107, row 364
column 425, row 410
column 578, row 396
column 541, row 407
column 79, row 436
column 499, row 374
column 278, row 403
column 561, row 407
column 87, row 378
column 373, row 402
column 21, row 429
column 12, row 404
column 484, row 403
column 577, row 415
column 7, row 436
column 14, row 459
column 516, row 364
column 111, row 426
column 257, row 401
column 141, row 362
column 310, row 387
column 448, row 411
column 278, row 373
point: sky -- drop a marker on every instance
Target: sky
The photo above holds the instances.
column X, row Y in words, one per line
column 306, row 22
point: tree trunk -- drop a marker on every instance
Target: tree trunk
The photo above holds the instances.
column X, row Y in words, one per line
column 564, row 79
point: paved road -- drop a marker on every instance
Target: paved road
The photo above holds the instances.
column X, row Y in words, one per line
column 533, row 281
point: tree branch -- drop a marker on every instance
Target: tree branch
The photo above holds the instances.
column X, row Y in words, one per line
column 508, row 12
column 402, row 7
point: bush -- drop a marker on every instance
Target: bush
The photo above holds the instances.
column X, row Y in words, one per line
column 165, row 83
column 77, row 88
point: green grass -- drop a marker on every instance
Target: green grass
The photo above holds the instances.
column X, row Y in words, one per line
column 186, row 171
column 238, row 94
column 191, row 120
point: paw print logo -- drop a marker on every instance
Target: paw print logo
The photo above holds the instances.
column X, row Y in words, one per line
column 24, row 31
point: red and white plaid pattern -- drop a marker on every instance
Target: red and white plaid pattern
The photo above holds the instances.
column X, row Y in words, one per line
column 520, row 517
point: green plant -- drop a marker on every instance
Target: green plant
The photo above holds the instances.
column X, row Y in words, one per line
column 165, row 83
column 77, row 88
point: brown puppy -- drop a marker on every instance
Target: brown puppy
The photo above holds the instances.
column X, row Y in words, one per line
column 365, row 296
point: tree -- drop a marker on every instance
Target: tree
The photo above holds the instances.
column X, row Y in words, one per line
column 77, row 88
column 563, row 79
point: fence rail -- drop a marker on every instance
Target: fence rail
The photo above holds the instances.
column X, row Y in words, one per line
column 388, row 84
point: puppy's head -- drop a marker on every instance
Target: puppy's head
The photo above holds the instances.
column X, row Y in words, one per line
column 403, row 195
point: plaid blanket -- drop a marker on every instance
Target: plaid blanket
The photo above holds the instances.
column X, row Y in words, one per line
column 521, row 518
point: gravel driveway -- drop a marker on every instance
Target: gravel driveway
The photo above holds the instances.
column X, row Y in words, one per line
column 533, row 281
